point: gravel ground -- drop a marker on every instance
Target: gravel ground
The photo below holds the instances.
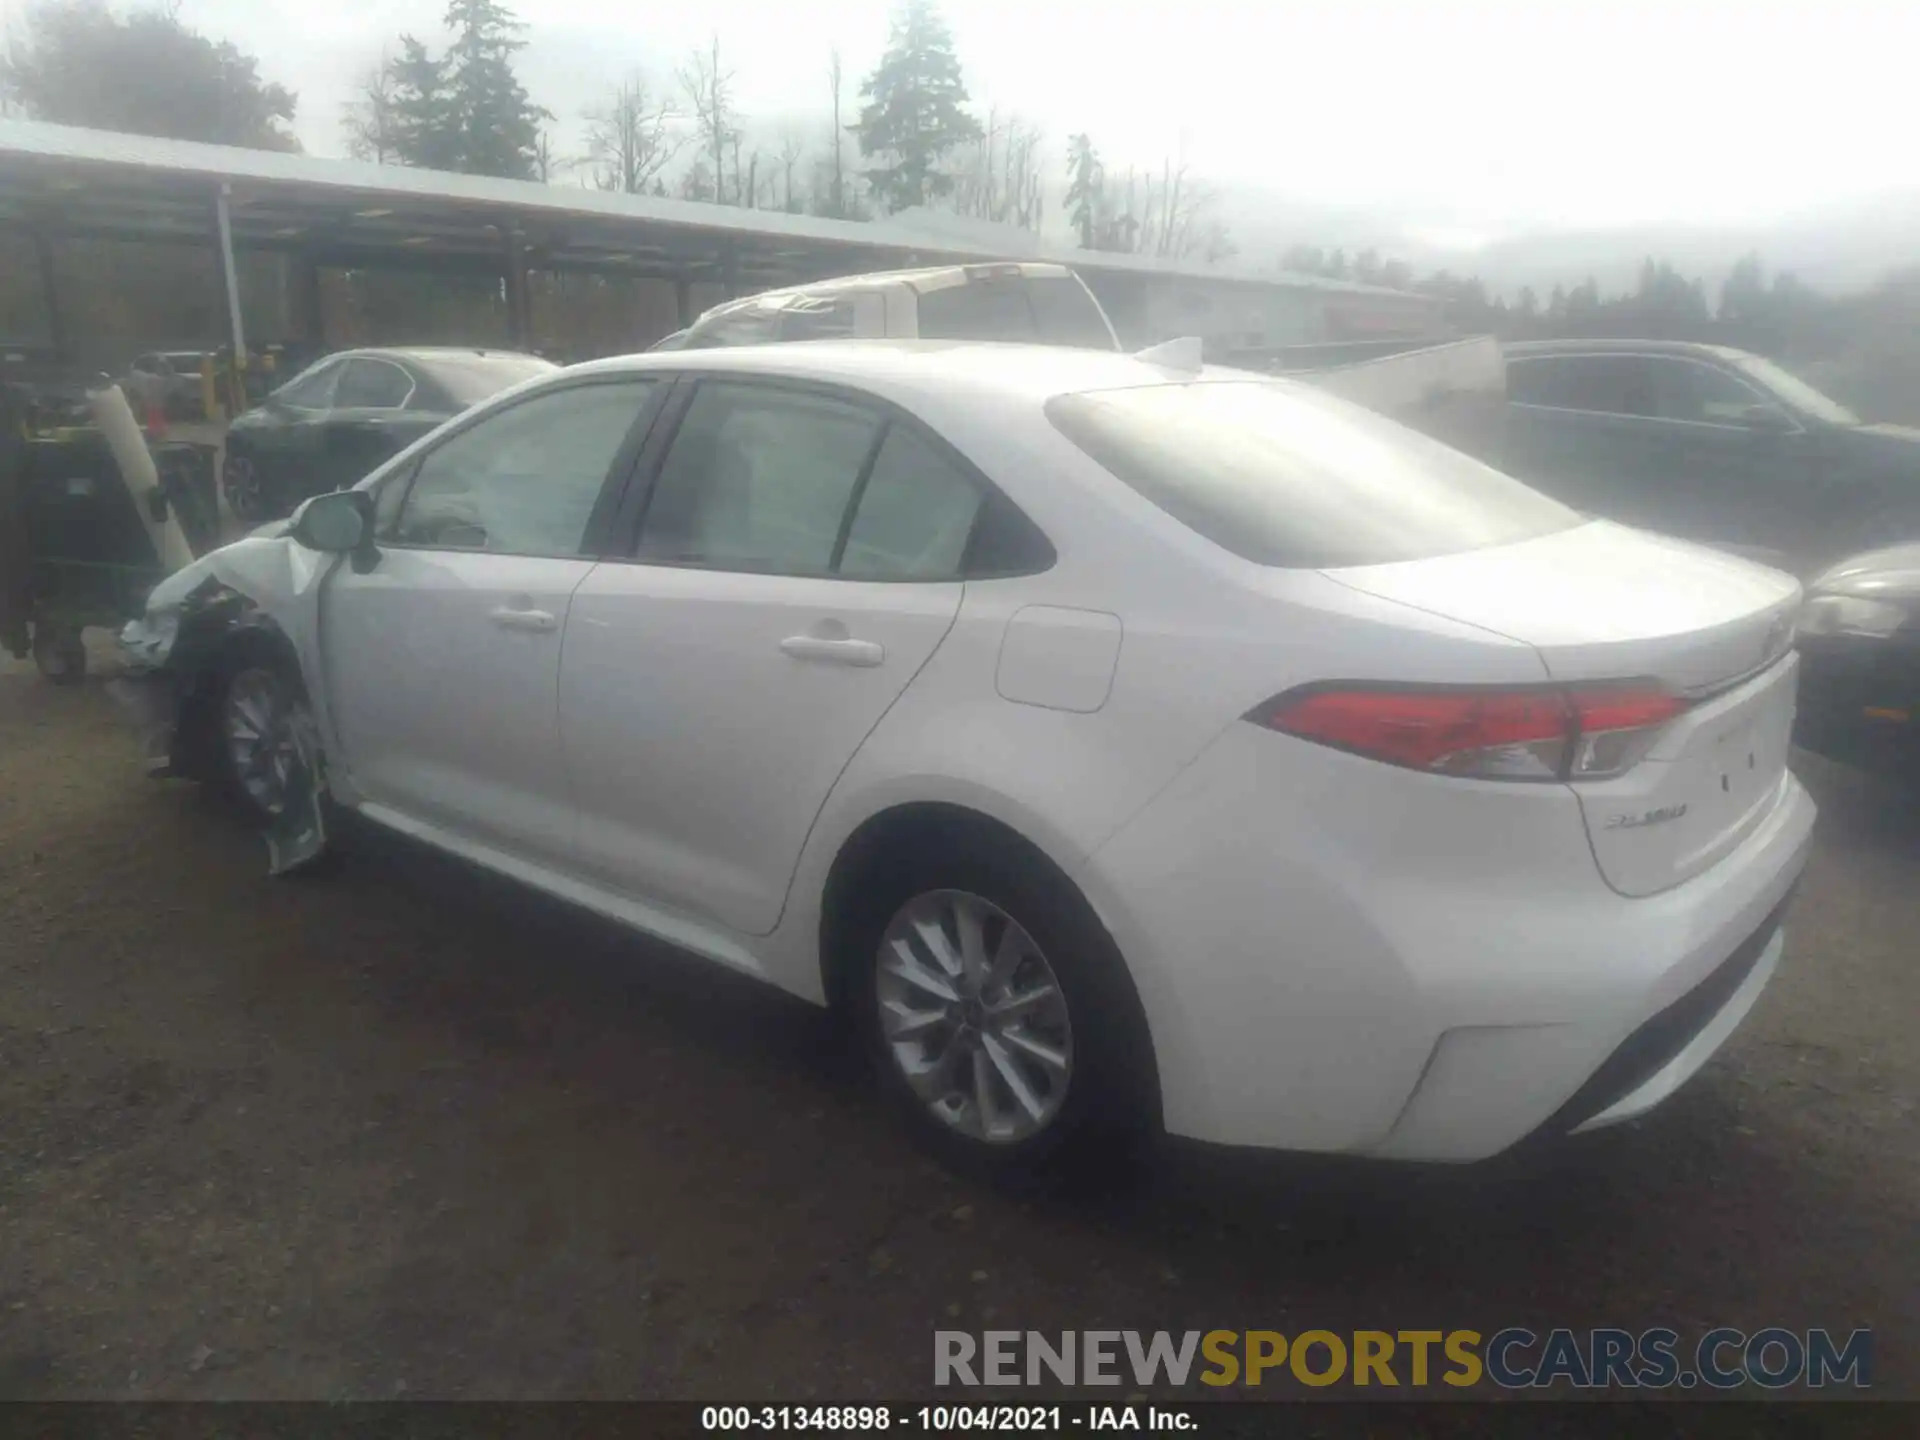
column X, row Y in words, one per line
column 402, row 1131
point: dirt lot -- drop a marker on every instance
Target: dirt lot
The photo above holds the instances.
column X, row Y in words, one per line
column 402, row 1132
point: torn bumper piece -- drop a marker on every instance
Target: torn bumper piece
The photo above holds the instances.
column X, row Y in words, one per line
column 152, row 699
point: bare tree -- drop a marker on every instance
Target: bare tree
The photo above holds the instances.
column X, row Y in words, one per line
column 369, row 118
column 632, row 138
column 709, row 92
column 792, row 148
column 839, row 137
column 998, row 176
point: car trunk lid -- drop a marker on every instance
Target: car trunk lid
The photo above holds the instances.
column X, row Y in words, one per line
column 1602, row 603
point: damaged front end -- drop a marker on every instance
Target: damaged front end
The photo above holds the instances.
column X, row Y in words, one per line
column 178, row 661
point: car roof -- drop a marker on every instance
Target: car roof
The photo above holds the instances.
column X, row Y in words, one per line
column 1009, row 371
column 429, row 353
column 926, row 277
column 1522, row 349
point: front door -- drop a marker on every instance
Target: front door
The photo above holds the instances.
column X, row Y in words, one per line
column 798, row 562
column 442, row 660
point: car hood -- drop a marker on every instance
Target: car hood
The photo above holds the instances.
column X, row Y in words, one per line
column 1891, row 573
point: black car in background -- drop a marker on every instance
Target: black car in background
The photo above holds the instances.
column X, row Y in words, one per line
column 1710, row 444
column 338, row 419
column 1859, row 642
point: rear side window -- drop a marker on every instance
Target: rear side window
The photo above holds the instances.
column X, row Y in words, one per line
column 1281, row 475
column 915, row 516
column 994, row 308
column 1067, row 313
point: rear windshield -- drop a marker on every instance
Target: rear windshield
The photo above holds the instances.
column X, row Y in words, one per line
column 1281, row 475
column 469, row 379
column 1042, row 309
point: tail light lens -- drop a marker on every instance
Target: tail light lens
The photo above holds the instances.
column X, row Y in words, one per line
column 1527, row 734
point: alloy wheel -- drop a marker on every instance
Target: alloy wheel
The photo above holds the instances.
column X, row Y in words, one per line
column 245, row 491
column 974, row 1017
column 258, row 724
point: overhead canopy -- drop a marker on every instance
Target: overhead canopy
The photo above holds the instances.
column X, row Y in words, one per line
column 90, row 183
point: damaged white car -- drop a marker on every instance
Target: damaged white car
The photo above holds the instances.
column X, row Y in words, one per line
column 1121, row 742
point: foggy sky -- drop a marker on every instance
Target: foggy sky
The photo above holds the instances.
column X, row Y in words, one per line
column 1468, row 117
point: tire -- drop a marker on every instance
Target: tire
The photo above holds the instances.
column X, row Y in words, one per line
column 1096, row 1109
column 60, row 655
column 247, row 490
column 265, row 688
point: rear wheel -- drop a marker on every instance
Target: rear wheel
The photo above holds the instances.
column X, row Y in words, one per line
column 998, row 1012
column 246, row 489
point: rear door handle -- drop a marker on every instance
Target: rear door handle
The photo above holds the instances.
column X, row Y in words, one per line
column 508, row 618
column 863, row 653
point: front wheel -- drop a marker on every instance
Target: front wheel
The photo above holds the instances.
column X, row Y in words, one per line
column 1000, row 1016
column 256, row 716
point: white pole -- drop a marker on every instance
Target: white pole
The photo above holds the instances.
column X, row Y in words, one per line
column 115, row 418
column 223, row 222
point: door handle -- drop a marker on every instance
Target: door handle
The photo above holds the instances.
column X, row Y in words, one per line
column 863, row 653
column 538, row 621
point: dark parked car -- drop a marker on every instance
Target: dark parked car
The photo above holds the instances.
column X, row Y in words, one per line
column 341, row 417
column 1859, row 639
column 1709, row 444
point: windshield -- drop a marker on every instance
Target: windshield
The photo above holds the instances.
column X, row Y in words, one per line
column 469, row 379
column 1796, row 392
column 1282, row 475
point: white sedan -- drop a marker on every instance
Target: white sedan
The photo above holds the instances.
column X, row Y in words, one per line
column 1124, row 747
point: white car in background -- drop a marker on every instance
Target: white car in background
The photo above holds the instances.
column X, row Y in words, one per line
column 1011, row 301
column 1122, row 745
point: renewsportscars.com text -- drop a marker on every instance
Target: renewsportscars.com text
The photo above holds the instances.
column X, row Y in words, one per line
column 1514, row 1358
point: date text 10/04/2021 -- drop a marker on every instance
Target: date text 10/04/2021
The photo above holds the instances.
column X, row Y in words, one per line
column 946, row 1419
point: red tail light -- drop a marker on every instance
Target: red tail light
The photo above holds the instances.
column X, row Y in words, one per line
column 1493, row 734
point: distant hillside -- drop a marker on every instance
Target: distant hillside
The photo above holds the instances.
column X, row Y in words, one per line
column 1837, row 248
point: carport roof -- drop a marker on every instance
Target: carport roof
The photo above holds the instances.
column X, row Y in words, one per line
column 90, row 182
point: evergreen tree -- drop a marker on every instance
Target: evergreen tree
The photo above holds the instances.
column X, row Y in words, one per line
column 419, row 107
column 496, row 127
column 1084, row 190
column 913, row 112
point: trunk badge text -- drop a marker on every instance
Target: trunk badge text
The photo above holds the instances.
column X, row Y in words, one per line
column 1648, row 817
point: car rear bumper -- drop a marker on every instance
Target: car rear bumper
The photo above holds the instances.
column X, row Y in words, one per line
column 1418, row 968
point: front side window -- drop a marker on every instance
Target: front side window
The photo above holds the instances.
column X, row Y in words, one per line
column 1283, row 475
column 758, row 478
column 1689, row 390
column 523, row 481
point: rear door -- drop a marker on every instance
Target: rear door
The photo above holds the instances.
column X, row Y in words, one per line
column 1580, row 428
column 798, row 560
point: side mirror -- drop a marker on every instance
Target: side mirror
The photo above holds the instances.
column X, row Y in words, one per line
column 337, row 523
